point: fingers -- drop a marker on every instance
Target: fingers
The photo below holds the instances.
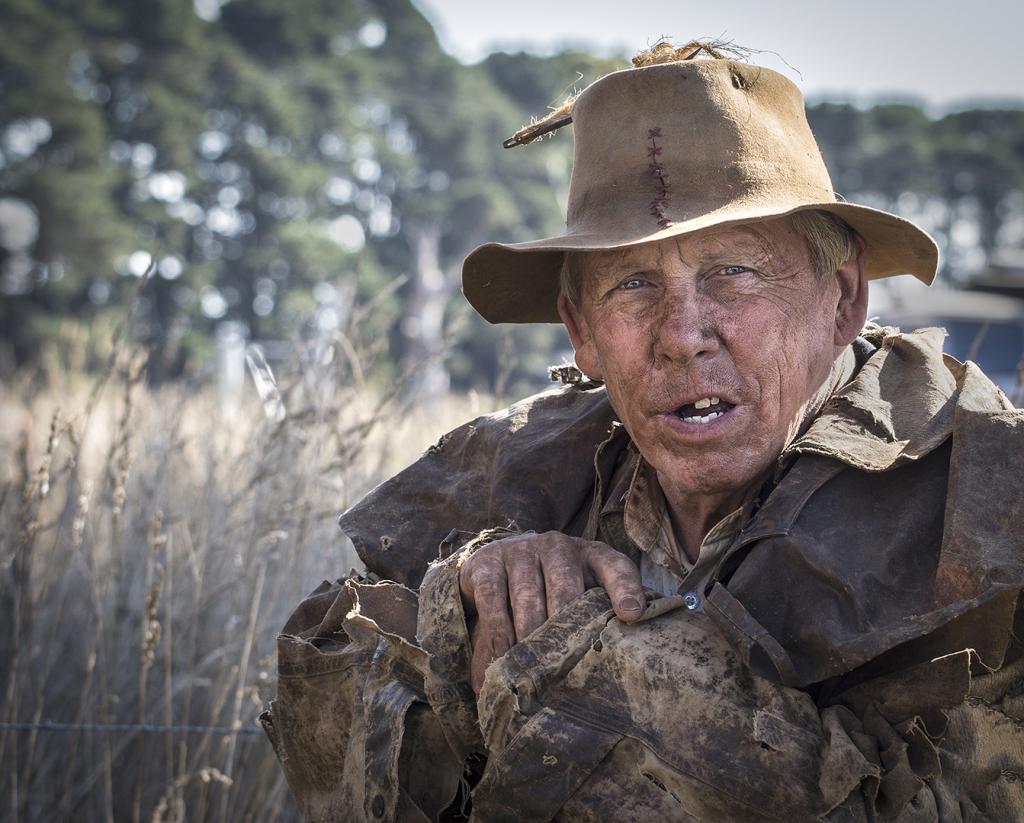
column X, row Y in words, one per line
column 526, row 591
column 485, row 586
column 485, row 592
column 620, row 578
column 513, row 585
column 482, row 656
column 564, row 578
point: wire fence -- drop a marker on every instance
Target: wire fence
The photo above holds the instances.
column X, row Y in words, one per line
column 121, row 728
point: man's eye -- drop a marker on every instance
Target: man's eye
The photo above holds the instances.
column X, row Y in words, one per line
column 632, row 283
column 733, row 270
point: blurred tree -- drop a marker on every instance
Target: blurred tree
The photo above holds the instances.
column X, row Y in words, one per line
column 978, row 164
column 276, row 162
column 961, row 176
column 53, row 168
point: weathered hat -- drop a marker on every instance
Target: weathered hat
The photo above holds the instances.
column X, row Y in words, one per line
column 675, row 147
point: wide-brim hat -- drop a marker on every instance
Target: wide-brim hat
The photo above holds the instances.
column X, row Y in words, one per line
column 669, row 149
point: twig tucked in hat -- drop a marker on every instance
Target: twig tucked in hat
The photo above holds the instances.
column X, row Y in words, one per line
column 562, row 116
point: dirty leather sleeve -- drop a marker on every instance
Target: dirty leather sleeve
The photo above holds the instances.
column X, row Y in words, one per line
column 351, row 725
column 443, row 632
column 593, row 719
column 510, row 466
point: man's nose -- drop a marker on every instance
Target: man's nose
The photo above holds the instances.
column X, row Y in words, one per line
column 685, row 329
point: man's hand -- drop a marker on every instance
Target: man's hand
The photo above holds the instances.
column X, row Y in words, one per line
column 514, row 584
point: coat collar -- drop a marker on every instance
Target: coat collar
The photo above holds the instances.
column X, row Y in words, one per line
column 898, row 407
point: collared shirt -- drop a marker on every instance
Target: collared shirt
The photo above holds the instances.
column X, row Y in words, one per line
column 636, row 508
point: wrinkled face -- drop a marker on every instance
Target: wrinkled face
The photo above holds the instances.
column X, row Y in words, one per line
column 711, row 346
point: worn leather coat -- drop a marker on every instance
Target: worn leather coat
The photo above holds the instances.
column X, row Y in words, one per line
column 855, row 656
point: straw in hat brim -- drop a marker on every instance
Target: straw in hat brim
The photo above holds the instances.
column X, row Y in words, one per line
column 520, row 282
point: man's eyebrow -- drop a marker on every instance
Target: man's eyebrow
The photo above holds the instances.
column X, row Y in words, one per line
column 626, row 260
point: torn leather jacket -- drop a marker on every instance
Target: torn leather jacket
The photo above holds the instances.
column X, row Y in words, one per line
column 855, row 655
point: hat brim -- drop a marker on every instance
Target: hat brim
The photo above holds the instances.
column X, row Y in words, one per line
column 519, row 282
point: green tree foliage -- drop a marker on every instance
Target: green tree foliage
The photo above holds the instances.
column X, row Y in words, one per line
column 279, row 161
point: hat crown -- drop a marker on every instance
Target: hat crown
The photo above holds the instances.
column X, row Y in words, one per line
column 672, row 142
column 670, row 148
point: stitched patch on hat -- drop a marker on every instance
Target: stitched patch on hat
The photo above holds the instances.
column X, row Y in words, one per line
column 662, row 196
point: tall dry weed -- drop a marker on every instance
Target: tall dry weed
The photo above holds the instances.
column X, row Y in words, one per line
column 151, row 549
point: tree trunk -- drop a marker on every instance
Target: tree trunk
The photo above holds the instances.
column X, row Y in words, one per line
column 423, row 316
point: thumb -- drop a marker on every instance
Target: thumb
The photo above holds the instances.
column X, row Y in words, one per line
column 620, row 578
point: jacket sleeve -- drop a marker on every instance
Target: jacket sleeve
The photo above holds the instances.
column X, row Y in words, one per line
column 510, row 466
column 351, row 723
column 588, row 716
column 375, row 718
column 443, row 632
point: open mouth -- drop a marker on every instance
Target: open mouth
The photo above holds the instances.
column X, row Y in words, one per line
column 703, row 411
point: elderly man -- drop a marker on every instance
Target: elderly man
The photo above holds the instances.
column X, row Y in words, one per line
column 761, row 563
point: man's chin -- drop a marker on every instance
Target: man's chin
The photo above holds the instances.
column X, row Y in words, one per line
column 715, row 460
column 731, row 478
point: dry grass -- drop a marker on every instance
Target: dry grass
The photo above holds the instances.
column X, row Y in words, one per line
column 151, row 549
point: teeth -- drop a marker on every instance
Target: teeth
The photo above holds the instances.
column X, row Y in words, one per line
column 706, row 419
column 705, row 402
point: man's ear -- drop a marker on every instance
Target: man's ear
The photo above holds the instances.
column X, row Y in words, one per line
column 579, row 334
column 852, row 309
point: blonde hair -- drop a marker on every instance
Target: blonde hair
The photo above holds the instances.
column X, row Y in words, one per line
column 831, row 241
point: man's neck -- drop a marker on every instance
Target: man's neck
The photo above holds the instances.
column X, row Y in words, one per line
column 693, row 516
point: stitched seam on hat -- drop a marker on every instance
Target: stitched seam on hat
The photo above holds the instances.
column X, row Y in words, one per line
column 662, row 192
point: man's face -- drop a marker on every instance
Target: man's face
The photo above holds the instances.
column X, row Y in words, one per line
column 735, row 316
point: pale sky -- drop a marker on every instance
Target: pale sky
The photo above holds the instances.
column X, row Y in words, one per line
column 939, row 51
